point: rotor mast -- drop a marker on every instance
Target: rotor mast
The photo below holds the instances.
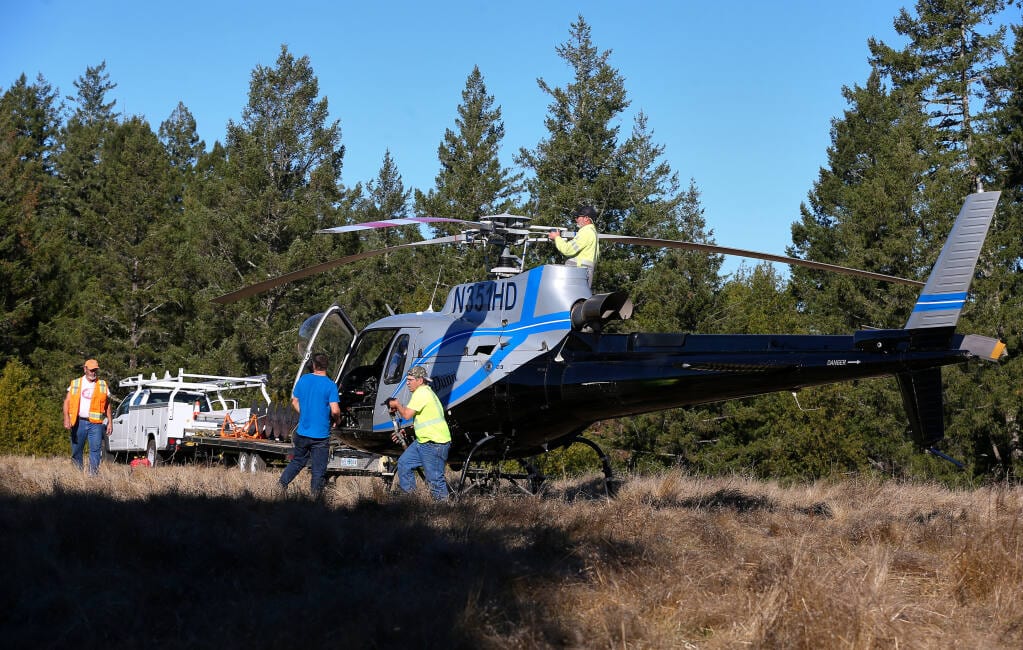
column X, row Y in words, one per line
column 507, row 231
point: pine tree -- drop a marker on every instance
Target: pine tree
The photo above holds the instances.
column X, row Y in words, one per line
column 872, row 207
column 950, row 64
column 125, row 281
column 471, row 182
column 92, row 106
column 180, row 138
column 996, row 309
column 944, row 65
column 583, row 161
column 868, row 210
column 402, row 280
column 901, row 162
column 29, row 129
column 1004, row 137
column 653, row 205
column 577, row 163
column 74, row 332
column 280, row 183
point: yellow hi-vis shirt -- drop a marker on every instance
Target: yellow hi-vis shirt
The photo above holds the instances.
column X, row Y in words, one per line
column 582, row 248
column 429, row 421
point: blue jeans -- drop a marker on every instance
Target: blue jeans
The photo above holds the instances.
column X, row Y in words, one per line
column 431, row 456
column 306, row 447
column 92, row 432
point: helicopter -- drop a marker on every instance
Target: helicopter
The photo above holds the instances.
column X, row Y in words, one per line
column 523, row 366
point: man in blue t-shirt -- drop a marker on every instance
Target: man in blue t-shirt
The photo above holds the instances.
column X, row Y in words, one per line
column 316, row 399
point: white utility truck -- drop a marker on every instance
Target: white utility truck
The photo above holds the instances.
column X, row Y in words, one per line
column 189, row 415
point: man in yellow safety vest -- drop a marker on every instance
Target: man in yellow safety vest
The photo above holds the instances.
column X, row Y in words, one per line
column 583, row 249
column 433, row 438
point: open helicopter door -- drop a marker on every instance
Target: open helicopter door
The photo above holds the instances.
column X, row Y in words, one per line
column 399, row 354
column 374, row 370
column 330, row 332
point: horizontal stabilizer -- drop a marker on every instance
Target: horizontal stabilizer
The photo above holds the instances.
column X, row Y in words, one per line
column 944, row 294
column 983, row 347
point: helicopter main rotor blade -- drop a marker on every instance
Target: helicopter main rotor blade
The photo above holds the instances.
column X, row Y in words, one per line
column 723, row 250
column 392, row 223
column 265, row 285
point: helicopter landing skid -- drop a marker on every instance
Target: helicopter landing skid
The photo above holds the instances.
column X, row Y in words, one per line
column 611, row 484
column 485, row 477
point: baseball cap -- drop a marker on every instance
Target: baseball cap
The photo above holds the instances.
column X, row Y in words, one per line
column 585, row 211
column 92, row 364
column 418, row 372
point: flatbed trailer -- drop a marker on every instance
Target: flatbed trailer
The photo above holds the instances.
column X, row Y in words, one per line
column 255, row 455
column 190, row 416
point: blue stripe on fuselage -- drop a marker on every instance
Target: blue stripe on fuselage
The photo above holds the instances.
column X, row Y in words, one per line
column 514, row 335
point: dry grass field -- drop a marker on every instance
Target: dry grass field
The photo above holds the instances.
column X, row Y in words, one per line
column 181, row 556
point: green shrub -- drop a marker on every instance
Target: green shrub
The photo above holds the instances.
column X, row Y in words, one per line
column 29, row 423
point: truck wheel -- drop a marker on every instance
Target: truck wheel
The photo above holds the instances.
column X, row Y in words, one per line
column 107, row 456
column 251, row 462
column 151, row 454
column 256, row 463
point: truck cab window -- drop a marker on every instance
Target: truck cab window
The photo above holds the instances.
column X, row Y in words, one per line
column 158, row 398
column 140, row 398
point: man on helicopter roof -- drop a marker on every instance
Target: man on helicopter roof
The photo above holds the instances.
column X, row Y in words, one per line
column 583, row 249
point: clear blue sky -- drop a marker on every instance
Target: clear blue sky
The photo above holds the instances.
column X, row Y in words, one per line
column 741, row 94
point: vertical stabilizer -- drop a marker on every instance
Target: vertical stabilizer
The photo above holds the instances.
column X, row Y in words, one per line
column 944, row 294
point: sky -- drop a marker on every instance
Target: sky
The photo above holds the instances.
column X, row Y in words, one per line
column 740, row 95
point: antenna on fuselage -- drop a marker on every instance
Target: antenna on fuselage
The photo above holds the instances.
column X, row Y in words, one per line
column 435, row 287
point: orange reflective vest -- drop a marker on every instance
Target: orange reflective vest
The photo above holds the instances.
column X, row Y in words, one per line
column 98, row 405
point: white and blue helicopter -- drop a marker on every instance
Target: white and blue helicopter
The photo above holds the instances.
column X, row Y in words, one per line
column 523, row 366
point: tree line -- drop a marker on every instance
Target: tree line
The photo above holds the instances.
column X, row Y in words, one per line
column 116, row 237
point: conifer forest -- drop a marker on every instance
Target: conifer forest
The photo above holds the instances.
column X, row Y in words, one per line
column 116, row 233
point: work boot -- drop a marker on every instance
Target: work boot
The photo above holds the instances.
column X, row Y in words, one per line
column 280, row 492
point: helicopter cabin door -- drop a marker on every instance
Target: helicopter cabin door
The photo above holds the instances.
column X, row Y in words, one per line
column 375, row 370
column 330, row 332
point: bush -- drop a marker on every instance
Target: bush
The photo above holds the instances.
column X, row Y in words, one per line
column 29, row 423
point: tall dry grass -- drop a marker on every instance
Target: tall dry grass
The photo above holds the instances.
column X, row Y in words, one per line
column 203, row 557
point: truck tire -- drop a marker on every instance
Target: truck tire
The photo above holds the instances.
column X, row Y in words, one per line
column 152, row 455
column 251, row 462
column 107, row 456
column 256, row 463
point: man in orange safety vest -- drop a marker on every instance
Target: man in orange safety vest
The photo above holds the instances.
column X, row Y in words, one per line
column 86, row 406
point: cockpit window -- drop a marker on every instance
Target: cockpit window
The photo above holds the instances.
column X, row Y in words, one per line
column 365, row 366
column 396, row 361
column 370, row 349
